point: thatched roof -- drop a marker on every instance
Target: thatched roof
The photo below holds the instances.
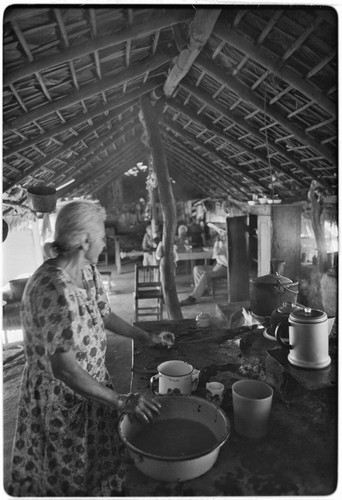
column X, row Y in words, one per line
column 249, row 106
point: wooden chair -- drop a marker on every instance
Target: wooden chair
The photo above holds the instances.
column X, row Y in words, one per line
column 147, row 287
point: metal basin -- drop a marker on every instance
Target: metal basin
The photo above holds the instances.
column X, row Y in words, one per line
column 185, row 466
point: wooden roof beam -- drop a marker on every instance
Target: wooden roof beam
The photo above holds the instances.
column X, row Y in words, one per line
column 242, row 123
column 205, row 122
column 69, row 144
column 119, row 104
column 194, row 162
column 169, row 18
column 272, row 63
column 100, row 146
column 200, row 175
column 127, row 155
column 104, row 167
column 201, row 29
column 249, row 96
column 183, row 133
column 112, row 81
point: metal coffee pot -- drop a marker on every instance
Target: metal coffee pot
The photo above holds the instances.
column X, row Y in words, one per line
column 308, row 338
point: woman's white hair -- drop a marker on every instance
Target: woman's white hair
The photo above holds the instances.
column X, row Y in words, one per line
column 75, row 219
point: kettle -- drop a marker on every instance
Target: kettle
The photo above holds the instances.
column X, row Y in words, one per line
column 308, row 339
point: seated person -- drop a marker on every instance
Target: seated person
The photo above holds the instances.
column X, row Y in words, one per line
column 195, row 233
column 182, row 240
column 149, row 247
column 209, row 235
column 204, row 274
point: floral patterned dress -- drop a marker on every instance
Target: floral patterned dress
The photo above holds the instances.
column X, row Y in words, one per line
column 65, row 444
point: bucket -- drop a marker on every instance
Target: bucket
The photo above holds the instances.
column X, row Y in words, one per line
column 42, row 198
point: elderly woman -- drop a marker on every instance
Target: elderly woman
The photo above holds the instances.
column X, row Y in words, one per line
column 66, row 441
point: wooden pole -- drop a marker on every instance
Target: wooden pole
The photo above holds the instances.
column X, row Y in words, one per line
column 316, row 198
column 150, row 122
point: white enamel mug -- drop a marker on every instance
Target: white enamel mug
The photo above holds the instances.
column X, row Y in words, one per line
column 173, row 377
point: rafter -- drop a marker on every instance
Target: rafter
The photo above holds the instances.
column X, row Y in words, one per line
column 244, row 124
column 201, row 28
column 119, row 104
column 275, row 64
column 183, row 133
column 168, row 18
column 98, row 143
column 205, row 122
column 110, row 82
column 249, row 96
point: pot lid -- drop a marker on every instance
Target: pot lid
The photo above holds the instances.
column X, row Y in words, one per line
column 308, row 315
column 286, row 308
column 271, row 279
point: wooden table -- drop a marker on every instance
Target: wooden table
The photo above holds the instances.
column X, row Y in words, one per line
column 193, row 255
column 298, row 455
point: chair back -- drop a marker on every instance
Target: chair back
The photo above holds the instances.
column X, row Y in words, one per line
column 147, row 277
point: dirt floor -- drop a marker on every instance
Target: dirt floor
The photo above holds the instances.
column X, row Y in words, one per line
column 119, row 352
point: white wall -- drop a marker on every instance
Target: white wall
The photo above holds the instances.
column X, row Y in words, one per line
column 21, row 252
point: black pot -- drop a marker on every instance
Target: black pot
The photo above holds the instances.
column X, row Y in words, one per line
column 269, row 292
column 280, row 316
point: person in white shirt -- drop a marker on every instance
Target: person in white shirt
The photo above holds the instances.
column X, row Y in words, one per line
column 204, row 274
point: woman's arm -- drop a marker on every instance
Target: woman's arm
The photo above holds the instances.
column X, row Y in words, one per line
column 66, row 369
column 119, row 326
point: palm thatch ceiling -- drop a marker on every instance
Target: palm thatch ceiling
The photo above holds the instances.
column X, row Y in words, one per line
column 248, row 96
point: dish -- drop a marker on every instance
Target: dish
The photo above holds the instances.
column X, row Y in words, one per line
column 262, row 201
column 270, row 201
column 251, row 203
column 277, row 201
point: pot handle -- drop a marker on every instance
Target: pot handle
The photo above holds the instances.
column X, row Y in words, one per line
column 287, row 289
column 152, row 379
column 280, row 341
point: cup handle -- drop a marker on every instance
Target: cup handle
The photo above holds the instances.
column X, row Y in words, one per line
column 285, row 345
column 152, row 380
column 194, row 383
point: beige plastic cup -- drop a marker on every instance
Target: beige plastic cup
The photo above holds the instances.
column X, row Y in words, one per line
column 214, row 392
column 252, row 402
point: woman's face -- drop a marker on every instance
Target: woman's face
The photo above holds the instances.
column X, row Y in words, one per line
column 97, row 244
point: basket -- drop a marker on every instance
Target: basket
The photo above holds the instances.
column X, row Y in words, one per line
column 42, row 198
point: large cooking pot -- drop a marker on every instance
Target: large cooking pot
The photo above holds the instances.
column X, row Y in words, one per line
column 267, row 293
column 192, row 455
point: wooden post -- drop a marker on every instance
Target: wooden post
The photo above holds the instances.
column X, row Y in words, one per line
column 150, row 122
column 316, row 197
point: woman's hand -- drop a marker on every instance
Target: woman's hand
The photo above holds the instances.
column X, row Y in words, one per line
column 140, row 406
column 166, row 339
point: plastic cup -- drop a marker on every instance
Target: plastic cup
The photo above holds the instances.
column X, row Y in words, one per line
column 252, row 402
column 214, row 392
